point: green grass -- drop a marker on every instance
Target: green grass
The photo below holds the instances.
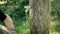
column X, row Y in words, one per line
column 22, row 27
column 53, row 29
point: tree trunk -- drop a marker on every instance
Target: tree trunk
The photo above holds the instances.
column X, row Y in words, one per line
column 39, row 16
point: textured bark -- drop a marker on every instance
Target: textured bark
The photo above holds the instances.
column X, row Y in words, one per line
column 39, row 16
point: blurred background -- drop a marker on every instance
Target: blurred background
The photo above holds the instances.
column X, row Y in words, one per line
column 55, row 17
column 15, row 8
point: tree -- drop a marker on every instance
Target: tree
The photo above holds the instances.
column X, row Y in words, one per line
column 39, row 16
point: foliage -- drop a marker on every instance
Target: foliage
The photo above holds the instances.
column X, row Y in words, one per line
column 55, row 12
column 15, row 8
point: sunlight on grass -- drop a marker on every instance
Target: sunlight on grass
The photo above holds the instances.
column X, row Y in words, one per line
column 52, row 28
column 55, row 33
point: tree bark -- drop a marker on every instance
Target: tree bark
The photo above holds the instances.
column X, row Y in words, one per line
column 39, row 16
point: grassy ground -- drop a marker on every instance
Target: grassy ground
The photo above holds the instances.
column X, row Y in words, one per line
column 55, row 33
column 52, row 28
column 23, row 28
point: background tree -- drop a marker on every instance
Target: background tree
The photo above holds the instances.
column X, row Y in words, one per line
column 39, row 16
